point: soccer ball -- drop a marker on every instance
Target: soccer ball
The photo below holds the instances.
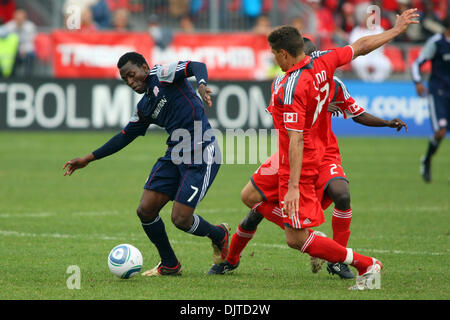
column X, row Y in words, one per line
column 125, row 261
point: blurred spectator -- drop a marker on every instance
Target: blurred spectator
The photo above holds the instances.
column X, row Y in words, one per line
column 252, row 8
column 26, row 31
column 262, row 25
column 429, row 21
column 121, row 20
column 325, row 23
column 187, row 24
column 347, row 19
column 87, row 23
column 375, row 66
column 178, row 8
column 414, row 32
column 195, row 6
column 389, row 5
column 101, row 14
column 386, row 14
column 298, row 23
column 7, row 8
column 161, row 36
column 9, row 44
column 130, row 5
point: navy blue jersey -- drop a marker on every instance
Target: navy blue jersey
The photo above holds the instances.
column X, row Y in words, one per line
column 436, row 49
column 171, row 103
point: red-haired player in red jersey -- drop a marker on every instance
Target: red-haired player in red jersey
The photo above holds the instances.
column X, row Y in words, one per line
column 299, row 103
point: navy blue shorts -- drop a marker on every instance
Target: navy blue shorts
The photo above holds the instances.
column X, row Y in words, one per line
column 439, row 106
column 184, row 183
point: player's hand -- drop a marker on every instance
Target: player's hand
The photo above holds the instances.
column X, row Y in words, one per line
column 75, row 164
column 291, row 201
column 334, row 109
column 398, row 124
column 205, row 93
column 405, row 19
column 421, row 89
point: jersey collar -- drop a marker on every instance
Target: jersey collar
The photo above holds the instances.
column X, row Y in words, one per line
column 306, row 60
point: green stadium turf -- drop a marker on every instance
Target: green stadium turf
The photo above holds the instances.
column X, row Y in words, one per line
column 49, row 222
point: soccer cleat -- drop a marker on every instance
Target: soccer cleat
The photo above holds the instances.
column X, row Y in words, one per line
column 222, row 268
column 220, row 250
column 425, row 169
column 161, row 270
column 371, row 279
column 341, row 269
column 316, row 263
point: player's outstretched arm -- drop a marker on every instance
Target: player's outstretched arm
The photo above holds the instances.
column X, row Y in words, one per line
column 370, row 120
column 368, row 44
column 115, row 144
column 77, row 163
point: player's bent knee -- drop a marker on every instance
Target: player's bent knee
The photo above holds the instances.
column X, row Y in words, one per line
column 250, row 196
column 181, row 222
column 342, row 200
column 294, row 244
column 146, row 215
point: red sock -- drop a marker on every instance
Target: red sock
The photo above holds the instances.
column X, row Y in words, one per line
column 270, row 211
column 238, row 242
column 340, row 222
column 331, row 251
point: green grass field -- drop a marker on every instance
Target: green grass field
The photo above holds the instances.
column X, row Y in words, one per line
column 49, row 222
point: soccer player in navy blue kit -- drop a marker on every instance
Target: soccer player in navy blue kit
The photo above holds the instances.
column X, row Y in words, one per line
column 436, row 49
column 184, row 173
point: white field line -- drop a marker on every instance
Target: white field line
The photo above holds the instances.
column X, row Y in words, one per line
column 106, row 213
column 12, row 233
column 17, row 215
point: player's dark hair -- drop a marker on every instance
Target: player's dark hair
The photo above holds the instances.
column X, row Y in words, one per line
column 133, row 57
column 309, row 46
column 287, row 38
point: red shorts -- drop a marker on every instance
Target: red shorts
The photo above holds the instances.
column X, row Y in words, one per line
column 310, row 213
column 328, row 171
column 273, row 188
column 265, row 179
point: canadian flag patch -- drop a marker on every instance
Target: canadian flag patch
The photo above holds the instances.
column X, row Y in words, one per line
column 290, row 117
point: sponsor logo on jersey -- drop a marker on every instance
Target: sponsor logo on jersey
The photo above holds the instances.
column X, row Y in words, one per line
column 158, row 108
column 290, row 117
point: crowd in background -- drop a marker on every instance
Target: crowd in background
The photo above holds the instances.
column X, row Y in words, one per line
column 329, row 22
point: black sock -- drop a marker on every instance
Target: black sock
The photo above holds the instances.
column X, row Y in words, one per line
column 156, row 232
column 201, row 227
column 433, row 145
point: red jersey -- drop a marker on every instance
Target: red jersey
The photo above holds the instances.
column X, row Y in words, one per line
column 342, row 99
column 300, row 101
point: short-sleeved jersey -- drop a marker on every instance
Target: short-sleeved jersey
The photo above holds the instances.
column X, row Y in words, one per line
column 171, row 103
column 342, row 99
column 300, row 101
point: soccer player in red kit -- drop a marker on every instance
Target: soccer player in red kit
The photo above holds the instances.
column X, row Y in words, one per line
column 300, row 101
column 331, row 185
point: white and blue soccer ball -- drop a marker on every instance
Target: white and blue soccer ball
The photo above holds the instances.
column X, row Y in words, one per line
column 125, row 261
